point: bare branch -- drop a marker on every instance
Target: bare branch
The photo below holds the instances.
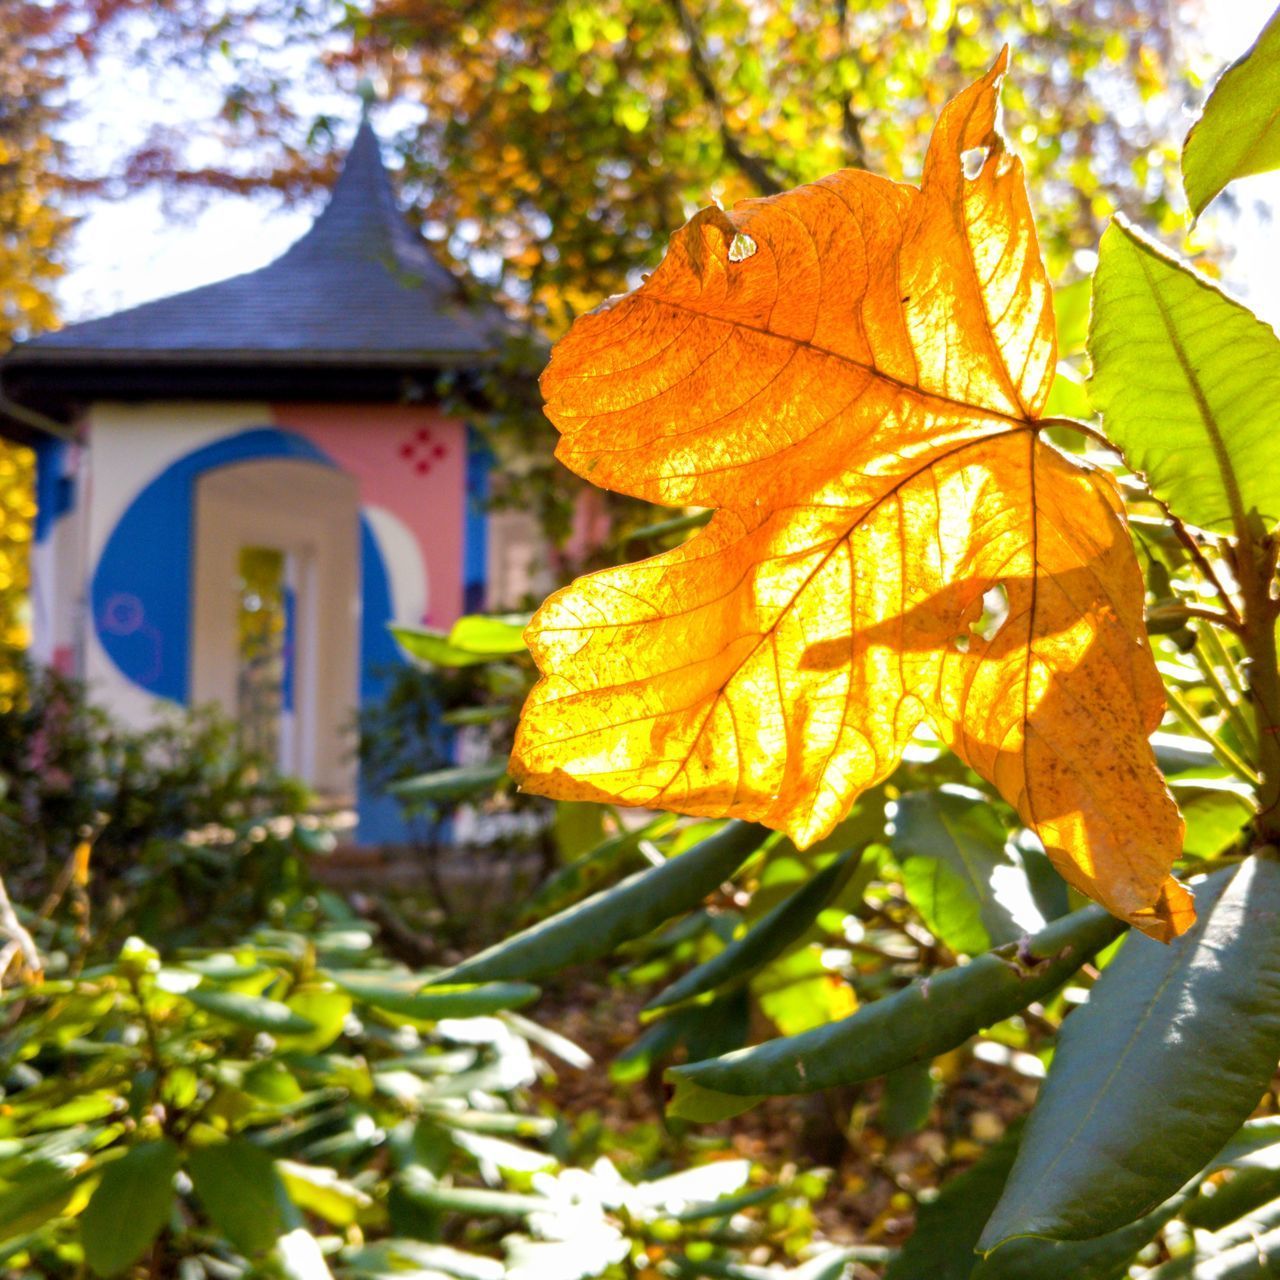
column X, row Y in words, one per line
column 751, row 166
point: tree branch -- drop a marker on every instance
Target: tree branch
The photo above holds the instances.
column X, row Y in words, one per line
column 750, row 166
column 850, row 120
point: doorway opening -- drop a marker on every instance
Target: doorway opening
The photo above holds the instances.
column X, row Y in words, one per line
column 276, row 609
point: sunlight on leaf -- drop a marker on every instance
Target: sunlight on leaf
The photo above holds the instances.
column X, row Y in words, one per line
column 859, row 399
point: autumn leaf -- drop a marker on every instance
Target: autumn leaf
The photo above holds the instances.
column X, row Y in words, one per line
column 852, row 373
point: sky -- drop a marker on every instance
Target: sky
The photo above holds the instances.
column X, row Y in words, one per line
column 132, row 250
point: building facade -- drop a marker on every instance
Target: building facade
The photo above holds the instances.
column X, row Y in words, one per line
column 241, row 486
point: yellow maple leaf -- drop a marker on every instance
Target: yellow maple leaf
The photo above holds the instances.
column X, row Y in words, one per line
column 852, row 374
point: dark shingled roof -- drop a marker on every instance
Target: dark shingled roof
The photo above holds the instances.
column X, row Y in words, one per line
column 358, row 297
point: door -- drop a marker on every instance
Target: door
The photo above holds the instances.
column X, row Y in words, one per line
column 276, row 612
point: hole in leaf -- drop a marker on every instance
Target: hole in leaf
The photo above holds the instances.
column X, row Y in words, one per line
column 741, row 247
column 995, row 612
column 971, row 161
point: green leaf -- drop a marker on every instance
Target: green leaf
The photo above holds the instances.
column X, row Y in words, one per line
column 1238, row 132
column 436, row 1002
column 931, row 1016
column 1106, row 1257
column 1247, row 1189
column 1157, row 1071
column 471, row 640
column 444, row 786
column 423, row 1190
column 768, row 938
column 242, row 1193
column 300, row 1256
column 942, row 1244
column 494, row 634
column 1214, row 820
column 40, row 1190
column 128, row 1208
column 325, row 1010
column 907, row 1099
column 958, row 872
column 255, row 1012
column 947, row 1229
column 1250, row 1250
column 426, row 644
column 609, row 858
column 1187, row 380
column 321, row 1191
column 593, row 928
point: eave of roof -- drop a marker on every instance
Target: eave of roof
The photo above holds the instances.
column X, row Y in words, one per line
column 360, row 290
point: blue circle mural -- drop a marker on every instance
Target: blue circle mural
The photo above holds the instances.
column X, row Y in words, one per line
column 142, row 585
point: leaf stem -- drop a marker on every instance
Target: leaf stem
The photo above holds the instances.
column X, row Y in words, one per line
column 1234, row 711
column 1179, row 707
column 1224, row 659
column 1183, row 534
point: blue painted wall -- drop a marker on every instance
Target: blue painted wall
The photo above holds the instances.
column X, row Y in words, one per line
column 143, row 586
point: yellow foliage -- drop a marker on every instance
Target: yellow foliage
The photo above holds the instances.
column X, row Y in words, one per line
column 32, row 229
column 853, row 374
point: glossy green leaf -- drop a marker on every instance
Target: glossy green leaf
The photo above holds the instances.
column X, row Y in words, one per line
column 1186, row 380
column 767, row 938
column 907, row 1099
column 927, row 1018
column 436, row 1002
column 326, row 1010
column 609, row 858
column 38, row 1190
column 321, row 1191
column 300, row 1257
column 1106, row 1257
column 594, row 927
column 446, row 786
column 1157, row 1071
column 129, row 1206
column 947, row 1229
column 957, row 871
column 1257, row 1257
column 1246, row 1190
column 237, row 1184
column 1238, row 132
column 254, row 1012
column 942, row 1245
column 498, row 635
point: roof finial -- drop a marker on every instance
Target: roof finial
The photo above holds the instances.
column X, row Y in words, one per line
column 368, row 94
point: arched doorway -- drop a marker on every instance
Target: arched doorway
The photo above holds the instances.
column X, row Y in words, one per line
column 276, row 611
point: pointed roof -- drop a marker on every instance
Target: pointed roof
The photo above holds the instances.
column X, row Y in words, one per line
column 360, row 290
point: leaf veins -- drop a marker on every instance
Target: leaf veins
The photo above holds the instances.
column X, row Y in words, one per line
column 858, row 398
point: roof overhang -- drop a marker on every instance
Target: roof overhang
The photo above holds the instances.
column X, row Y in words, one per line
column 42, row 392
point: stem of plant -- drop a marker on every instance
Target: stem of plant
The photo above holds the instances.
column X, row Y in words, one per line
column 1226, row 756
column 1234, row 711
column 1255, row 569
column 1220, row 655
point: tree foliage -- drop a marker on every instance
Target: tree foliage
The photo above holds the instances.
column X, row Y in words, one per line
column 33, row 232
column 1179, row 1040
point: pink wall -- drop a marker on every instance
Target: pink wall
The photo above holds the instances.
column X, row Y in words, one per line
column 411, row 461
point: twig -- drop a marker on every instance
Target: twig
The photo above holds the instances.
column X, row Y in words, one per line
column 750, row 165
